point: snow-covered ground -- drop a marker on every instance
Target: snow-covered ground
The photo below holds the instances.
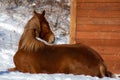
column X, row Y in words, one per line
column 11, row 27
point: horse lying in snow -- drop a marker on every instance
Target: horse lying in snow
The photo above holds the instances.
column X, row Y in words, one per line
column 35, row 56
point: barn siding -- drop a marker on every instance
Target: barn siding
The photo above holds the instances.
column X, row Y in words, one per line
column 98, row 25
column 73, row 22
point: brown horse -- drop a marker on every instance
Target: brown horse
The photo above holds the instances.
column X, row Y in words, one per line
column 35, row 56
column 40, row 25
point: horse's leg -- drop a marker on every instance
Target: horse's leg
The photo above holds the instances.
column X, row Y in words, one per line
column 12, row 69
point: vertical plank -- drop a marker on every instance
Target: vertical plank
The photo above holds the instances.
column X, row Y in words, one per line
column 73, row 22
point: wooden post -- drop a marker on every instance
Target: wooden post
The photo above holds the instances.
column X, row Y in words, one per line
column 73, row 22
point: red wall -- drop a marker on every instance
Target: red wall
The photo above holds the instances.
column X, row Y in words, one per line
column 98, row 25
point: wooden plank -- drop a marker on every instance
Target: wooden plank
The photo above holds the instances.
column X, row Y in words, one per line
column 111, row 58
column 98, row 28
column 117, row 67
column 111, row 62
column 111, row 21
column 106, row 50
column 111, row 66
column 98, row 1
column 98, row 13
column 99, row 6
column 73, row 21
column 116, row 71
column 97, row 35
column 100, row 42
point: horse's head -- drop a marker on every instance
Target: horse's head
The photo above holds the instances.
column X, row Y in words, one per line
column 45, row 32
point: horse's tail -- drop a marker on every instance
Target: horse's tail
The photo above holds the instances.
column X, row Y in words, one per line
column 104, row 72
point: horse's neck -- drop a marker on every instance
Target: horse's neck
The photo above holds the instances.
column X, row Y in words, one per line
column 25, row 36
column 29, row 42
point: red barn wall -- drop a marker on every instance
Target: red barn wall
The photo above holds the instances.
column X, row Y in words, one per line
column 97, row 23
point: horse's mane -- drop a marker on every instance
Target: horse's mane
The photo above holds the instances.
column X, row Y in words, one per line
column 28, row 39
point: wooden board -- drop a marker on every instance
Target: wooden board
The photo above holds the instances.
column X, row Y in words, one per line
column 73, row 22
column 98, row 35
column 105, row 50
column 100, row 42
column 98, row 14
column 110, row 1
column 98, row 26
column 99, row 6
column 88, row 20
column 112, row 63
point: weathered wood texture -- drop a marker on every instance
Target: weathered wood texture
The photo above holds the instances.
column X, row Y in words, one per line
column 73, row 22
column 98, row 25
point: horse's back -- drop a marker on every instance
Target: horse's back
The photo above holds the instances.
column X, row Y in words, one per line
column 76, row 59
column 78, row 52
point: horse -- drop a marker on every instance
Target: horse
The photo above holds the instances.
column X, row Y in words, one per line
column 35, row 56
column 40, row 25
column 42, row 29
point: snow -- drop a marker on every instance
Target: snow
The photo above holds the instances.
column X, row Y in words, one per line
column 11, row 28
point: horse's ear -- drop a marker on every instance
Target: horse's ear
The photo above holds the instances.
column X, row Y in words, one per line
column 35, row 13
column 43, row 12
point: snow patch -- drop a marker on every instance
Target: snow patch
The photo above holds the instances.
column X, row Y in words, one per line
column 10, row 27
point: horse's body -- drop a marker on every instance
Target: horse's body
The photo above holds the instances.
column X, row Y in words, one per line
column 40, row 57
column 75, row 59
